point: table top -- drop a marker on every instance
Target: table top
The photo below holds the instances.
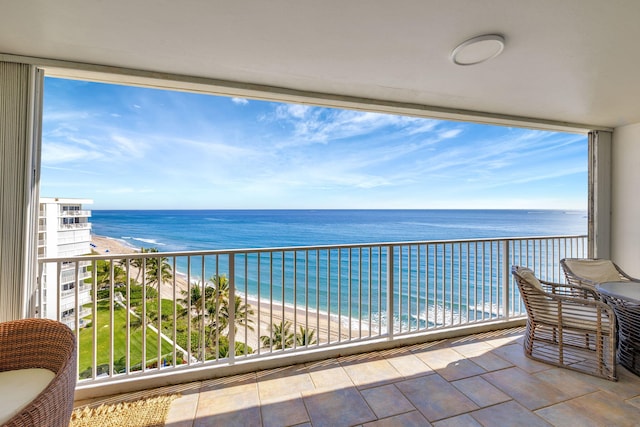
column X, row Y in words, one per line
column 628, row 291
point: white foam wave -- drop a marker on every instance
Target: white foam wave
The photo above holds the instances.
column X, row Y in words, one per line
column 149, row 241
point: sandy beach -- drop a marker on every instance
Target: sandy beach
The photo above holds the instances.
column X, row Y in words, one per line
column 326, row 328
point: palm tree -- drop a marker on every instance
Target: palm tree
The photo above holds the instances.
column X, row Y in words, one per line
column 281, row 336
column 195, row 303
column 103, row 274
column 158, row 269
column 306, row 336
column 219, row 308
column 242, row 316
column 137, row 262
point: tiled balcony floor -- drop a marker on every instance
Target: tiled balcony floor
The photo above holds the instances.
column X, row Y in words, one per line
column 481, row 380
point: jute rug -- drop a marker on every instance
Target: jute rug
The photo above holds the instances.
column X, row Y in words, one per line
column 147, row 412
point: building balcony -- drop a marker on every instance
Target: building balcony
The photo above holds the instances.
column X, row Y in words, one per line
column 75, row 226
column 477, row 380
column 298, row 305
column 84, row 295
column 78, row 213
column 70, row 319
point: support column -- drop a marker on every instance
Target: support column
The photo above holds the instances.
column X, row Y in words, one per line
column 20, row 118
column 600, row 194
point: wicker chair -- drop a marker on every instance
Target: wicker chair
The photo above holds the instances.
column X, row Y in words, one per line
column 566, row 330
column 588, row 272
column 41, row 343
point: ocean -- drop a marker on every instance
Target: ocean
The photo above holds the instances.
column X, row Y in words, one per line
column 326, row 289
column 186, row 230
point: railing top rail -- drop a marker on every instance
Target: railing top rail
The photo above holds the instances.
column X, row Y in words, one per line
column 139, row 255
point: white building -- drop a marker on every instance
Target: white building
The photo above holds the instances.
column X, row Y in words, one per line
column 64, row 230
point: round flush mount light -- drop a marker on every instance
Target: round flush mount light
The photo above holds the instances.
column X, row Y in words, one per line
column 478, row 49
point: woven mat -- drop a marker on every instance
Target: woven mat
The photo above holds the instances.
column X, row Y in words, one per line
column 148, row 412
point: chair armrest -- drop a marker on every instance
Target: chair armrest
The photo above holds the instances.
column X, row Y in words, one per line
column 42, row 343
column 570, row 290
column 35, row 343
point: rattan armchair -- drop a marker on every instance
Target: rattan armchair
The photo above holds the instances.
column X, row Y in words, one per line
column 570, row 329
column 588, row 272
column 41, row 343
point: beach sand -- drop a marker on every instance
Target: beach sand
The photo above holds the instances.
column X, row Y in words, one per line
column 326, row 327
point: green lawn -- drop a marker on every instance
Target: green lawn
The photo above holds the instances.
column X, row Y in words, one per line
column 101, row 321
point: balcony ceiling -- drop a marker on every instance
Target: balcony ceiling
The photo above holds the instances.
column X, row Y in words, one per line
column 572, row 60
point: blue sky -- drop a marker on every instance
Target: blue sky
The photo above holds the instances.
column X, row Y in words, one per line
column 139, row 148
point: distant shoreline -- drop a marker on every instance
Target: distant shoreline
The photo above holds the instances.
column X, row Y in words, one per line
column 111, row 246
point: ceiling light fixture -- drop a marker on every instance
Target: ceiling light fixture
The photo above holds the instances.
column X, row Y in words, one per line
column 478, row 49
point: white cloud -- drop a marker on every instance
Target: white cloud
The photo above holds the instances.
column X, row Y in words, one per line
column 124, row 146
column 322, row 125
column 56, row 153
column 239, row 101
column 64, row 116
column 449, row 133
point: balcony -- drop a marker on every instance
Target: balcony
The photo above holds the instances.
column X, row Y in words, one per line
column 73, row 213
column 291, row 305
column 482, row 379
column 75, row 226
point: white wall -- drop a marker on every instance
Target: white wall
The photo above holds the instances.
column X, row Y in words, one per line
column 625, row 198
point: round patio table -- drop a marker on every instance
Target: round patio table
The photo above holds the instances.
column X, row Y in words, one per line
column 624, row 298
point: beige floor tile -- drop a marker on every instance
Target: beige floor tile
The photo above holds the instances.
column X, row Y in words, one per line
column 606, row 408
column 488, row 361
column 515, row 354
column 480, row 391
column 215, row 407
column 322, row 364
column 634, row 401
column 627, row 386
column 219, row 402
column 371, row 373
column 508, row 414
column 183, row 410
column 283, row 412
column 409, row 419
column 467, row 347
column 386, row 401
column 284, row 382
column 342, row 407
column 464, row 420
column 238, row 418
column 231, row 385
column 409, row 365
column 573, row 383
column 564, row 415
column 329, row 376
column 435, row 398
column 504, row 337
column 450, row 364
column 530, row 391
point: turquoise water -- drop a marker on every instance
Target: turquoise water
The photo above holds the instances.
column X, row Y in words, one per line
column 337, row 287
column 183, row 230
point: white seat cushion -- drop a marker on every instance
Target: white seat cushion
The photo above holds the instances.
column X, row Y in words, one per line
column 18, row 388
column 599, row 271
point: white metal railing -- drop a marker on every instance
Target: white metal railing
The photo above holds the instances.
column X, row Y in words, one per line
column 77, row 225
column 262, row 302
column 75, row 213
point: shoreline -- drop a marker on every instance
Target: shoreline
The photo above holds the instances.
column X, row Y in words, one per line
column 326, row 326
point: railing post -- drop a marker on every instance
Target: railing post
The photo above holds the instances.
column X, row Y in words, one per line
column 390, row 286
column 232, row 308
column 506, row 274
column 39, row 309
